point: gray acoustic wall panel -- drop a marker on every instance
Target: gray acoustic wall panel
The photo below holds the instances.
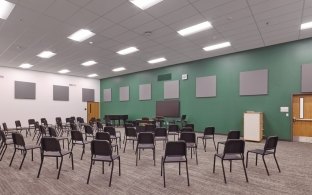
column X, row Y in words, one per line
column 60, row 93
column 87, row 95
column 171, row 89
column 145, row 92
column 107, row 95
column 25, row 90
column 124, row 93
column 206, row 86
column 306, row 78
column 254, row 82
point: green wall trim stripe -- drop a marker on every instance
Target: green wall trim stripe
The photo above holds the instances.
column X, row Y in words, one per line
column 225, row 111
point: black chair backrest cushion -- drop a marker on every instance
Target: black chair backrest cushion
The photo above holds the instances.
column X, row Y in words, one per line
column 190, row 125
column 31, row 121
column 150, row 128
column 42, row 130
column 146, row 138
column 102, row 136
column 50, row 144
column 209, row 131
column 160, row 132
column 18, row 139
column 271, row 143
column 187, row 129
column 52, row 132
column 76, row 135
column 88, row 129
column 233, row 134
column 2, row 136
column 111, row 130
column 175, row 148
column 73, row 127
column 99, row 125
column 18, row 123
column 5, row 127
column 188, row 137
column 101, row 147
column 130, row 132
column 183, row 117
column 173, row 128
column 234, row 146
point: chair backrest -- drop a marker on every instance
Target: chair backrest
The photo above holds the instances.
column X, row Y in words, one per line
column 2, row 136
column 188, row 137
column 72, row 119
column 209, row 131
column 150, row 127
column 44, row 121
column 58, row 120
column 183, row 117
column 73, row 127
column 145, row 138
column 140, row 129
column 88, row 129
column 175, row 148
column 31, row 122
column 173, row 128
column 129, row 125
column 271, row 143
column 145, row 118
column 160, row 132
column 99, row 125
column 42, row 130
column 76, row 135
column 187, row 129
column 101, row 147
column 234, row 146
column 52, row 132
column 50, row 144
column 68, row 120
column 103, row 136
column 111, row 130
column 233, row 134
column 5, row 127
column 80, row 120
column 37, row 125
column 18, row 124
column 18, row 139
column 190, row 125
column 130, row 132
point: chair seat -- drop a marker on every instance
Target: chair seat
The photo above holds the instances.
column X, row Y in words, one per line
column 146, row 146
column 191, row 145
column 29, row 147
column 56, row 153
column 171, row 159
column 230, row 156
column 260, row 151
column 173, row 133
column 205, row 137
column 223, row 142
column 81, row 142
column 61, row 138
column 105, row 158
column 132, row 138
column 160, row 138
column 9, row 142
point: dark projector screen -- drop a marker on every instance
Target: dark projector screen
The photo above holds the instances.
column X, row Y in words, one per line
column 168, row 108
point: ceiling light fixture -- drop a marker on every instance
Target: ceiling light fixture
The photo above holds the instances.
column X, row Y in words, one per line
column 46, row 54
column 89, row 63
column 64, row 71
column 25, row 66
column 5, row 9
column 92, row 75
column 118, row 69
column 157, row 60
column 217, row 46
column 306, row 25
column 195, row 28
column 127, row 51
column 145, row 4
column 81, row 35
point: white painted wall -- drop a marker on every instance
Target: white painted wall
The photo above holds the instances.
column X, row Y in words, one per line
column 12, row 109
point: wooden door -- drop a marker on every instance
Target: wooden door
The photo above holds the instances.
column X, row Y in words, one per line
column 302, row 117
column 93, row 110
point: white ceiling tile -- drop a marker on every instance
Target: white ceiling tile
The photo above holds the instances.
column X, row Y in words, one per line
column 114, row 31
column 204, row 5
column 82, row 18
column 150, row 26
column 268, row 5
column 127, row 36
column 101, row 7
column 166, row 7
column 196, row 19
column 178, row 15
column 80, row 2
column 100, row 25
column 137, row 20
column 61, row 10
column 36, row 5
column 122, row 12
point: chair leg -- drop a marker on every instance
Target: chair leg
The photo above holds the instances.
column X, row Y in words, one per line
column 89, row 171
column 247, row 159
column 187, row 174
column 56, row 162
column 72, row 158
column 25, row 152
column 256, row 159
column 230, row 166
column 245, row 170
column 214, row 164
column 179, row 168
column 119, row 165
column 214, row 143
column 58, row 175
column 223, row 171
column 125, row 146
column 136, row 159
column 163, row 169
column 102, row 167
column 154, row 157
column 83, row 151
column 196, row 154
column 110, row 180
column 205, row 144
column 277, row 163
column 218, row 147
column 161, row 164
column 32, row 154
column 35, row 132
column 191, row 152
column 42, row 157
column 265, row 165
column 3, row 151
column 12, row 157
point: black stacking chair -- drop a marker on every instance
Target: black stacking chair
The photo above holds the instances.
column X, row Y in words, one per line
column 106, row 136
column 173, row 130
column 44, row 122
column 88, row 132
column 190, row 140
column 19, row 127
column 140, row 129
column 77, row 138
column 50, row 147
column 101, row 150
column 233, row 150
column 99, row 126
column 187, row 129
column 190, row 125
column 130, row 134
column 161, row 135
column 73, row 127
column 19, row 144
column 150, row 128
column 175, row 153
column 53, row 133
column 126, row 126
column 208, row 134
column 36, row 130
column 232, row 134
column 8, row 132
column 145, row 141
column 42, row 133
column 113, row 134
column 4, row 143
column 145, row 118
column 31, row 125
column 269, row 148
column 80, row 120
column 182, row 120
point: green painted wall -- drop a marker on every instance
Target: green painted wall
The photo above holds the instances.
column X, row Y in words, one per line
column 226, row 110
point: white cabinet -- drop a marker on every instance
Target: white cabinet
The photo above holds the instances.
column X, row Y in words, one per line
column 253, row 126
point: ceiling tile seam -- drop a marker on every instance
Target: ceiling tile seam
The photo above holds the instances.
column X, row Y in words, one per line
column 253, row 17
column 267, row 10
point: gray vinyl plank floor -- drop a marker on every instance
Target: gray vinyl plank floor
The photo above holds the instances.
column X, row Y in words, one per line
column 294, row 159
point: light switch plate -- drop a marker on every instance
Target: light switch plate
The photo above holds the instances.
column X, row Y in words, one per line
column 284, row 109
column 184, row 76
